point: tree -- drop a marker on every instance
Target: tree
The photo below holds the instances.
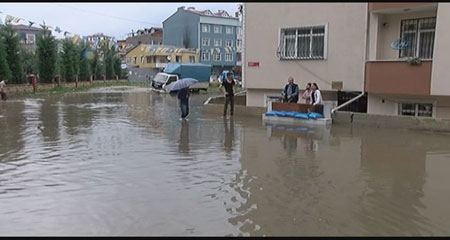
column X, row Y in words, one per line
column 68, row 60
column 117, row 66
column 5, row 72
column 94, row 64
column 109, row 64
column 30, row 61
column 100, row 69
column 12, row 43
column 85, row 68
column 47, row 55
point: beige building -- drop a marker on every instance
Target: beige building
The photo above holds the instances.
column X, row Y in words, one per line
column 352, row 47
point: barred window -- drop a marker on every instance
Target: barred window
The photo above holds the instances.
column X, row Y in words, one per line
column 416, row 109
column 420, row 34
column 303, row 43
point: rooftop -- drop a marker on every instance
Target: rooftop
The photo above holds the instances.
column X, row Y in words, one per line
column 209, row 13
column 25, row 27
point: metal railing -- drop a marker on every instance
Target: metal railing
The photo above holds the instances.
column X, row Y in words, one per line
column 347, row 103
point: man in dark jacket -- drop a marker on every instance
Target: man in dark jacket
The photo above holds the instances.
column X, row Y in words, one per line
column 183, row 95
column 290, row 91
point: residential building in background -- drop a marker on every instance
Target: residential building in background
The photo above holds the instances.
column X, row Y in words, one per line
column 396, row 53
column 215, row 34
column 152, row 36
column 28, row 35
column 158, row 56
column 97, row 39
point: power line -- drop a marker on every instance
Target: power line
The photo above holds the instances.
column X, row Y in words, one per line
column 97, row 13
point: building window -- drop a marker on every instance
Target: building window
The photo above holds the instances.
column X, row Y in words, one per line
column 217, row 29
column 229, row 30
column 134, row 59
column 205, row 41
column 303, row 43
column 239, row 31
column 205, row 27
column 30, row 38
column 228, row 57
column 177, row 58
column 205, row 56
column 416, row 109
column 154, row 59
column 216, row 57
column 229, row 43
column 419, row 33
column 238, row 43
column 149, row 59
column 142, row 59
column 192, row 59
column 218, row 42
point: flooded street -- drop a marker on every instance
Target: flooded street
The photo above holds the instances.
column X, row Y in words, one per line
column 122, row 163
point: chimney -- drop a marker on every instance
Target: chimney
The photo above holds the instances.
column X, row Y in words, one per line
column 181, row 8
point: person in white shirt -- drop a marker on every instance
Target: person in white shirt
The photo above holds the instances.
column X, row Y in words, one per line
column 316, row 96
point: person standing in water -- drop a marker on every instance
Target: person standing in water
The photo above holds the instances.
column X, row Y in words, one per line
column 229, row 86
column 183, row 96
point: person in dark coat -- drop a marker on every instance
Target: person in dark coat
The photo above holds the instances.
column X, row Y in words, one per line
column 183, row 96
column 290, row 92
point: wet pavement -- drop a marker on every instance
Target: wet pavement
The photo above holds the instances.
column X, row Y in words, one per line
column 119, row 163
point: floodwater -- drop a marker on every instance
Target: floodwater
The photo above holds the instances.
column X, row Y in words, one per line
column 118, row 163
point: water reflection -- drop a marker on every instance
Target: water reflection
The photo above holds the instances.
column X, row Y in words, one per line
column 127, row 158
column 183, row 145
column 229, row 135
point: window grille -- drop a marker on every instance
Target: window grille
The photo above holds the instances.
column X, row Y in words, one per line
column 420, row 33
column 303, row 43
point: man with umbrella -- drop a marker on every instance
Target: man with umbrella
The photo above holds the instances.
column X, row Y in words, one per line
column 183, row 95
column 182, row 86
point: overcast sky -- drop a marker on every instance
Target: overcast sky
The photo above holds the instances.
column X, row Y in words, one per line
column 113, row 19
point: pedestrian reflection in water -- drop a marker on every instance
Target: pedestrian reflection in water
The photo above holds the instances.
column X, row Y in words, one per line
column 183, row 145
column 290, row 143
column 229, row 135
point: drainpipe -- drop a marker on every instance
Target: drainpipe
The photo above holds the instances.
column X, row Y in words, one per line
column 364, row 69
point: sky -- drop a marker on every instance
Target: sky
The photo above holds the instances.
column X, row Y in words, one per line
column 112, row 19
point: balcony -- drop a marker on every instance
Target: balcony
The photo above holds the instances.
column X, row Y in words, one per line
column 399, row 7
column 398, row 77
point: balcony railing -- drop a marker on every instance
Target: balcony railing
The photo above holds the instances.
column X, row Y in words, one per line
column 398, row 77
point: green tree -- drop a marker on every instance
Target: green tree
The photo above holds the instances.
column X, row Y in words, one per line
column 109, row 64
column 5, row 72
column 94, row 64
column 100, row 69
column 30, row 61
column 85, row 68
column 117, row 67
column 47, row 55
column 12, row 43
column 68, row 60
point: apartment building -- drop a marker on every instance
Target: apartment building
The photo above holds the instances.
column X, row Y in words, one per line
column 396, row 53
column 215, row 34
